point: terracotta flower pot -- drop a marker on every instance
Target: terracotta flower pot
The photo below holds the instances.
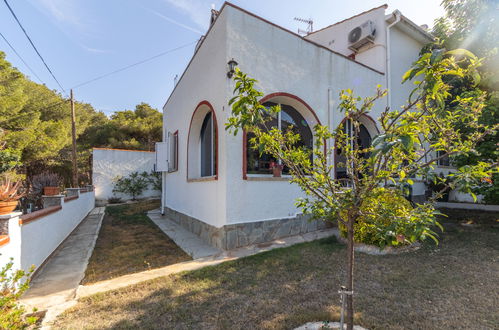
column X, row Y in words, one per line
column 51, row 191
column 277, row 171
column 7, row 207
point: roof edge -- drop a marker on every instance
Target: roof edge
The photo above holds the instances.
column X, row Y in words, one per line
column 299, row 36
column 347, row 19
column 225, row 4
column 424, row 34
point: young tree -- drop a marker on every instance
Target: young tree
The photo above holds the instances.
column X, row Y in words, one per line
column 413, row 138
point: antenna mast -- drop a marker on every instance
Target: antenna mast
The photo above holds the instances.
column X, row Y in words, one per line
column 310, row 27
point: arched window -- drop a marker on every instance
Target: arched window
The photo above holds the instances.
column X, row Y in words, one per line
column 207, row 146
column 287, row 118
column 364, row 141
column 202, row 140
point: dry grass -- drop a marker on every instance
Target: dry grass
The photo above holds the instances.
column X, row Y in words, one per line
column 453, row 285
column 130, row 242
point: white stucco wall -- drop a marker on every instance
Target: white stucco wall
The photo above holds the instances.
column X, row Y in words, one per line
column 205, row 79
column 31, row 243
column 107, row 164
column 284, row 63
column 335, row 37
column 404, row 51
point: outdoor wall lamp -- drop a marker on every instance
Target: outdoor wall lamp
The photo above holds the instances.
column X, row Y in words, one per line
column 232, row 68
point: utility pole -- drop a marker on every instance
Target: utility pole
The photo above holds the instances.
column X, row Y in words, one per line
column 73, row 133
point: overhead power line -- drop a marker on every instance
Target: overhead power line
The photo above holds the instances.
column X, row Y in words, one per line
column 20, row 57
column 133, row 65
column 34, row 47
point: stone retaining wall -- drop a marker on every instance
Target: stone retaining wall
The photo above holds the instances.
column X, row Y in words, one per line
column 233, row 236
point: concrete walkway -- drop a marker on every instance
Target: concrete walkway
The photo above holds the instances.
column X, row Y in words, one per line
column 54, row 286
column 187, row 241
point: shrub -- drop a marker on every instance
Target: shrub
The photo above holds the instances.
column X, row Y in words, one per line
column 114, row 200
column 42, row 180
column 12, row 286
column 133, row 185
column 155, row 180
column 388, row 219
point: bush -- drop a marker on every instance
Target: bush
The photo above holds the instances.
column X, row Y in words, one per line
column 12, row 286
column 114, row 200
column 136, row 183
column 388, row 219
column 133, row 185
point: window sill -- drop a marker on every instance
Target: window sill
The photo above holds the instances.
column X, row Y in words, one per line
column 268, row 178
column 447, row 166
column 202, row 179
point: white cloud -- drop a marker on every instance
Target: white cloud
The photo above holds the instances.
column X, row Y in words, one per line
column 197, row 10
column 63, row 10
column 171, row 20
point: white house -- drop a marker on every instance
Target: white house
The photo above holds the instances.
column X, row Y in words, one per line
column 213, row 184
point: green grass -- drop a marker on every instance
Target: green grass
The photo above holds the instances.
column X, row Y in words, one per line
column 452, row 285
column 130, row 242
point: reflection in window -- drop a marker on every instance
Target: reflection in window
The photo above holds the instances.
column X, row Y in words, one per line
column 288, row 118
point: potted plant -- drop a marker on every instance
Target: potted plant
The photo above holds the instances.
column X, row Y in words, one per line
column 276, row 169
column 9, row 195
column 46, row 183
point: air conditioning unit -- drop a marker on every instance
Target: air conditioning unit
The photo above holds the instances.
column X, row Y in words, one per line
column 361, row 36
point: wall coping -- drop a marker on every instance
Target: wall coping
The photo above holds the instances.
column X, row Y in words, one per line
column 27, row 218
column 10, row 215
column 468, row 206
column 70, row 198
column 123, row 150
column 4, row 239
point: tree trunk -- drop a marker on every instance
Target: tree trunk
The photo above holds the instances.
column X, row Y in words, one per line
column 350, row 263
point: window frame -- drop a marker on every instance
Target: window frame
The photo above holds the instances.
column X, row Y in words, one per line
column 303, row 109
column 173, row 152
column 193, row 153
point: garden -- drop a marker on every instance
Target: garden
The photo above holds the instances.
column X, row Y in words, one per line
column 446, row 286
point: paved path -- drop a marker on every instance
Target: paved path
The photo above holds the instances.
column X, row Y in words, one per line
column 56, row 282
column 186, row 240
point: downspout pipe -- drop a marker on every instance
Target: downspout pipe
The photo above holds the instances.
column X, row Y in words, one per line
column 397, row 15
column 163, row 174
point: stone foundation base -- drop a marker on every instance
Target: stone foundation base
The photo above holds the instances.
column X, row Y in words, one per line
column 233, row 236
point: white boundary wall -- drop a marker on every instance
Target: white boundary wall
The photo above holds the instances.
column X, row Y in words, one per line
column 33, row 241
column 111, row 163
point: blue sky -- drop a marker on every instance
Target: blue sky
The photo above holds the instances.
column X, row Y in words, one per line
column 83, row 39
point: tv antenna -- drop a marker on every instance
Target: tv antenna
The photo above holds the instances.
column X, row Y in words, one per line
column 310, row 27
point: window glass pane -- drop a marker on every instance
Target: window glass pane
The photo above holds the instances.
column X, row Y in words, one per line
column 364, row 141
column 290, row 119
column 256, row 163
column 207, row 150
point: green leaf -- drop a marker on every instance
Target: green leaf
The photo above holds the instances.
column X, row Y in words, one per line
column 461, row 52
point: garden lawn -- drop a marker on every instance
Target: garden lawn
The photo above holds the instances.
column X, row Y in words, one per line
column 130, row 242
column 452, row 285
